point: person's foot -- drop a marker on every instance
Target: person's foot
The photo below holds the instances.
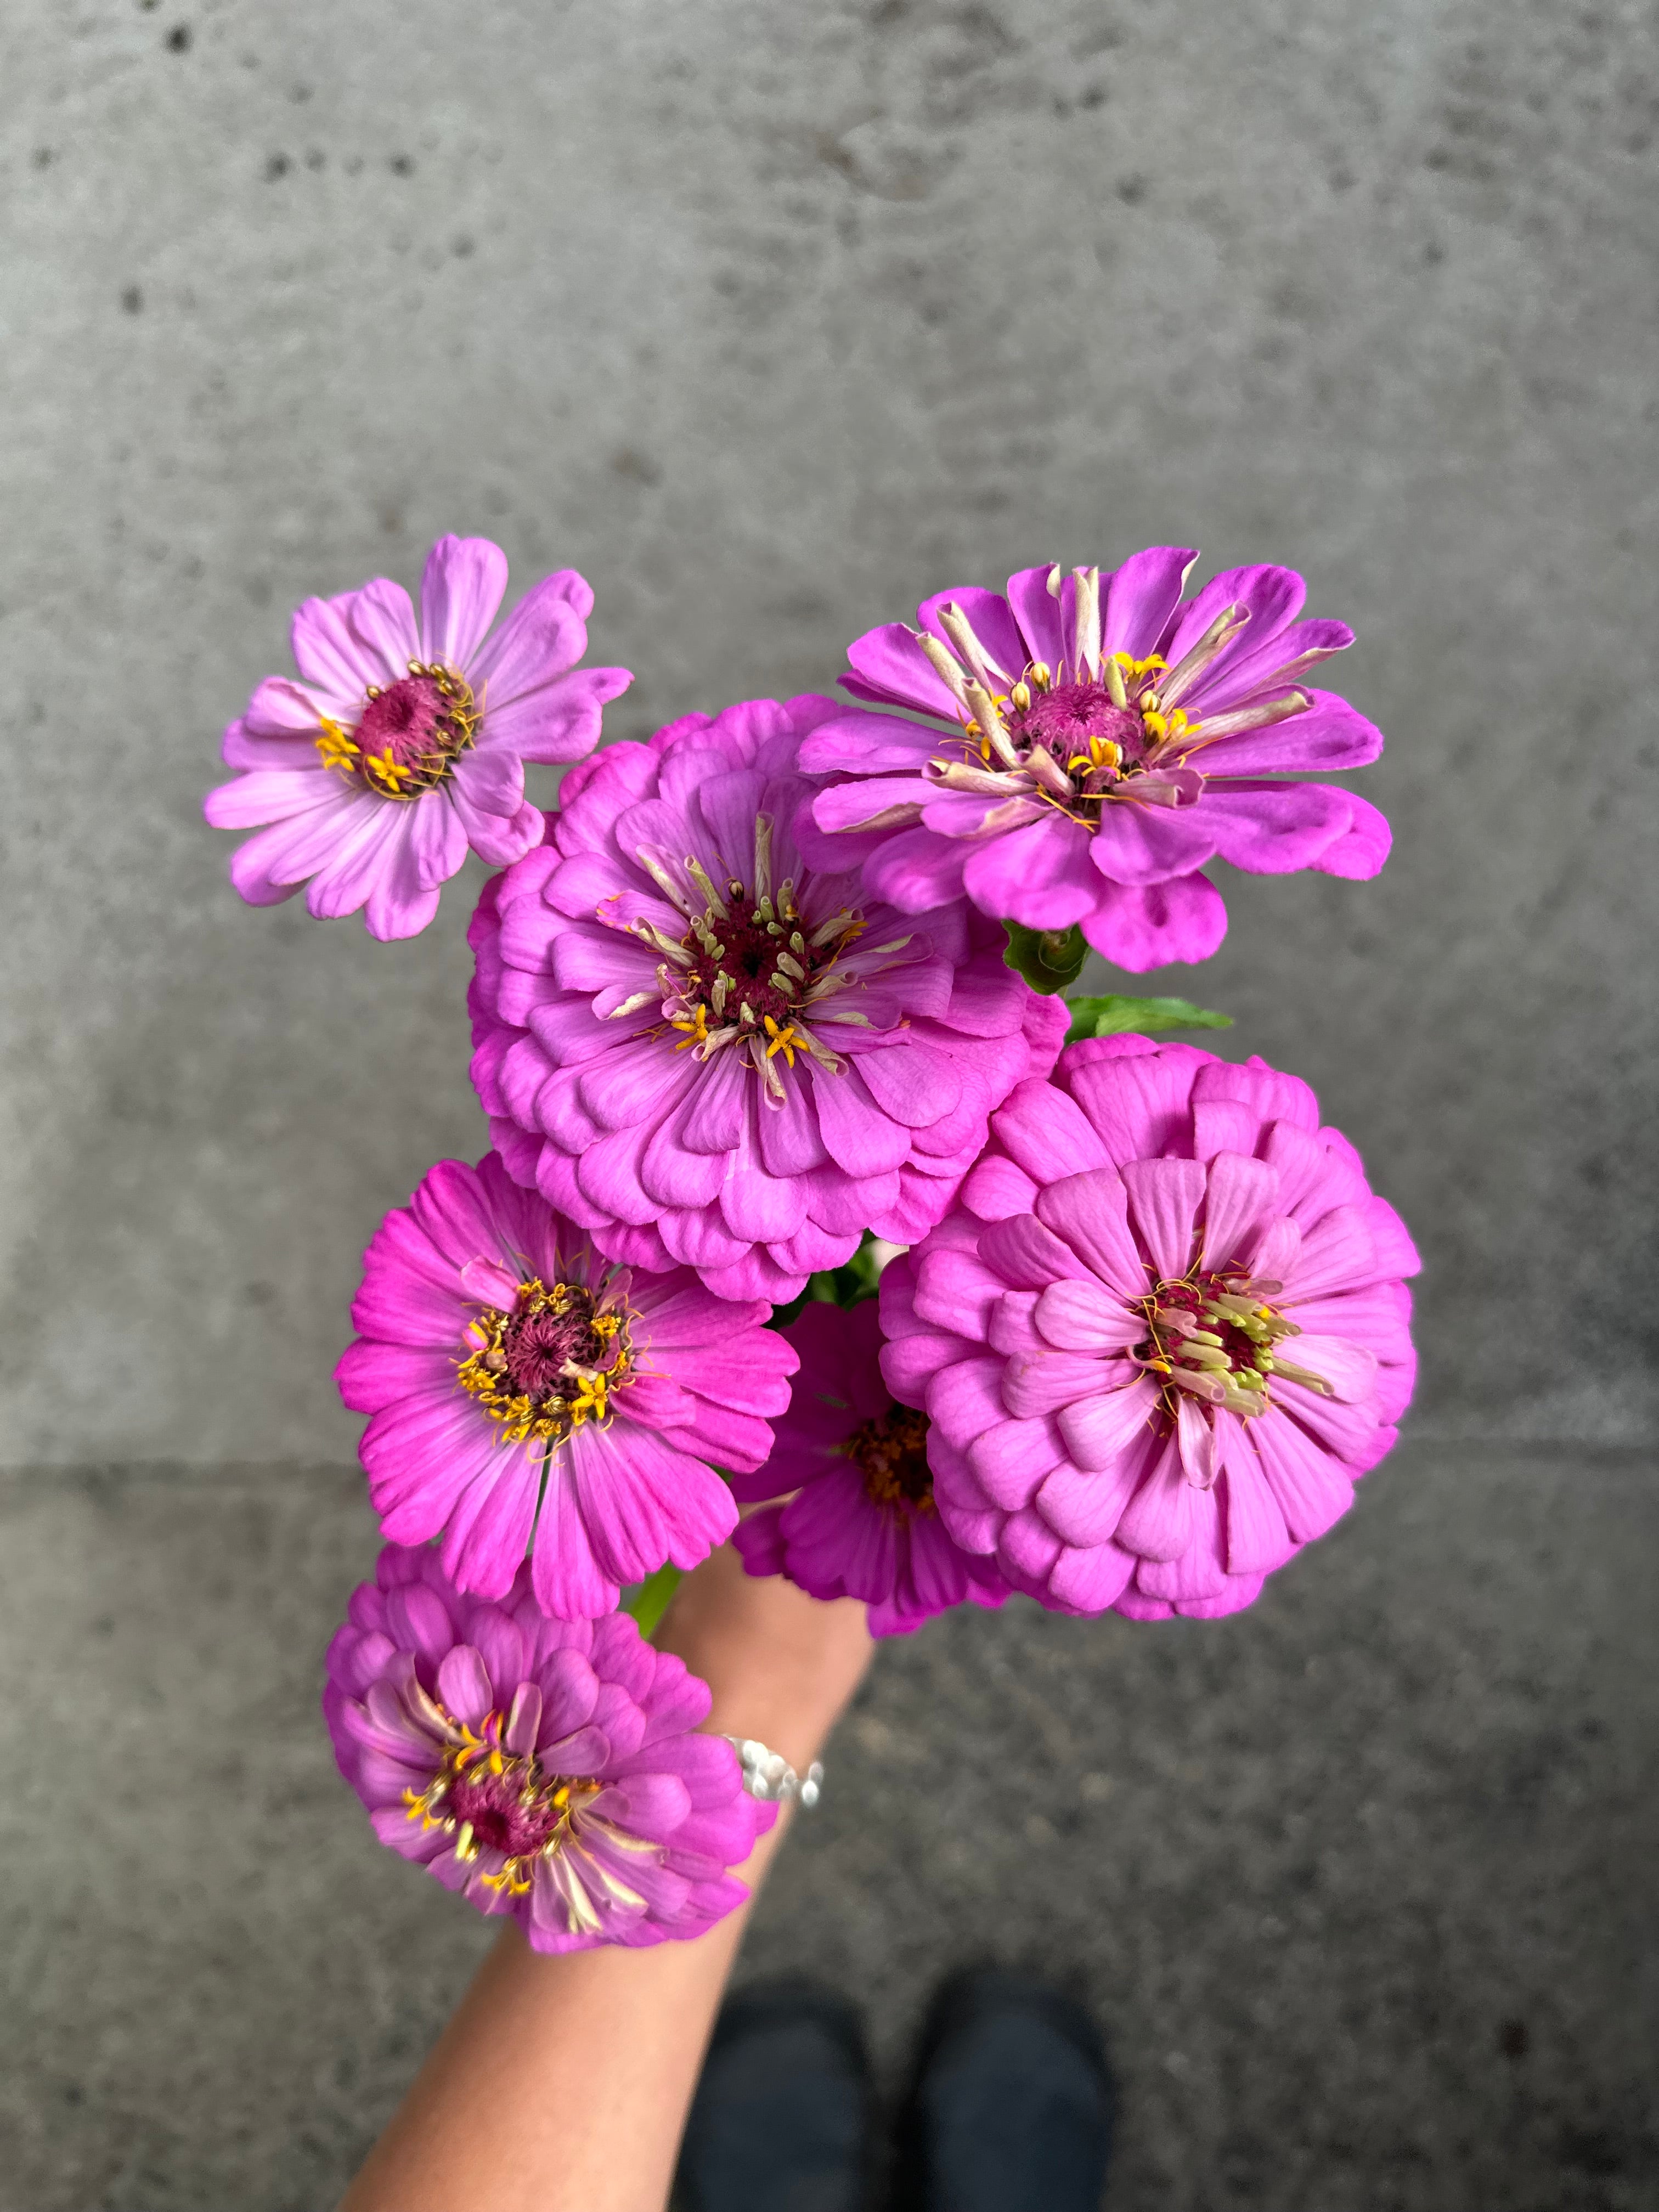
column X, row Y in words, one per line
column 1012, row 2107
column 781, row 2120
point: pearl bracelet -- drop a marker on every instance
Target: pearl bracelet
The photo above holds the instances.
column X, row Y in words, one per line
column 768, row 1776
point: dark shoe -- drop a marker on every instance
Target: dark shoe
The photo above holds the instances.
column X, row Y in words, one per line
column 1012, row 2109
column 781, row 2120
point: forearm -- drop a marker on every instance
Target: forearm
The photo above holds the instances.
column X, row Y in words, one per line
column 565, row 2080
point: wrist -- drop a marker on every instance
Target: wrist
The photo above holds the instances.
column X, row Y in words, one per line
column 780, row 1666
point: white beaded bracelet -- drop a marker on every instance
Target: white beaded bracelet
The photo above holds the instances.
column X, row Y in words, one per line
column 768, row 1776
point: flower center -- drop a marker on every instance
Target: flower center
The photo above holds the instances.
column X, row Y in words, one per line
column 409, row 735
column 1081, row 736
column 552, row 1364
column 1072, row 718
column 749, row 971
column 1215, row 1336
column 489, row 1799
column 891, row 1453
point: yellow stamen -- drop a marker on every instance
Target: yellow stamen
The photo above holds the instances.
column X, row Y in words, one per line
column 335, row 746
column 783, row 1041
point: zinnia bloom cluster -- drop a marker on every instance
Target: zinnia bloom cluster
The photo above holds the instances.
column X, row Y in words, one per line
column 710, row 1054
column 1164, row 1333
column 550, row 1769
column 751, row 1003
column 862, row 1521
column 1089, row 743
column 402, row 744
column 526, row 1394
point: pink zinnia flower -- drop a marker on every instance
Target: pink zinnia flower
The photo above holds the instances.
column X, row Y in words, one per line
column 709, row 1053
column 1164, row 1333
column 405, row 742
column 522, row 1388
column 545, row 1768
column 862, row 1522
column 1104, row 739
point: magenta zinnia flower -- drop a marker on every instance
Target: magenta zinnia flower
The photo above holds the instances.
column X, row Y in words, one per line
column 1164, row 1332
column 545, row 1768
column 523, row 1389
column 404, row 741
column 862, row 1522
column 709, row 1053
column 1103, row 738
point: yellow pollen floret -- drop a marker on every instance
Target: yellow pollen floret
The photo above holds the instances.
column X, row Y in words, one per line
column 783, row 1041
column 393, row 771
column 336, row 746
column 1103, row 752
column 697, row 1030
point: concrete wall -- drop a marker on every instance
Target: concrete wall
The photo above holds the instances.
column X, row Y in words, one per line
column 772, row 319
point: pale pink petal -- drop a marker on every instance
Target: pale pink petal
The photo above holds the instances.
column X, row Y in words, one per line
column 461, row 588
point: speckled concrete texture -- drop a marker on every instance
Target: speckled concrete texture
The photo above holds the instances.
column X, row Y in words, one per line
column 771, row 320
column 1360, row 1881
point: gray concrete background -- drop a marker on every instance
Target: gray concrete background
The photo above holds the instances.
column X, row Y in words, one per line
column 771, row 320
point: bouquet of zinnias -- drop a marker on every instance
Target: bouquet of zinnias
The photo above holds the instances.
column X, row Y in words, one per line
column 809, row 1191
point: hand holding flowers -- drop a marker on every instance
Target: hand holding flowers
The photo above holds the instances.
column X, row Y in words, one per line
column 769, row 994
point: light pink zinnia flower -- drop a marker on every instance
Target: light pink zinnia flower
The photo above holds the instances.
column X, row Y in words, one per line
column 709, row 1053
column 862, row 1522
column 1105, row 739
column 1164, row 1332
column 545, row 1768
column 521, row 1386
column 405, row 742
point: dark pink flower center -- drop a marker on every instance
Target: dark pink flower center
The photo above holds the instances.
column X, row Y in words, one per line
column 744, row 949
column 891, row 1453
column 1215, row 1337
column 409, row 735
column 488, row 1799
column 1065, row 719
column 552, row 1364
column 539, row 1349
column 513, row 1812
column 409, row 721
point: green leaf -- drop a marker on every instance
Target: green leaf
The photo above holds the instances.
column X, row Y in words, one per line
column 1118, row 1016
column 649, row 1601
column 1048, row 959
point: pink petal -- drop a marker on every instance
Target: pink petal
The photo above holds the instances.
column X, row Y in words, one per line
column 328, row 652
column 1139, row 844
column 858, row 1136
column 1242, row 1196
column 1360, row 852
column 382, row 618
column 545, row 633
column 1036, row 609
column 464, row 1685
column 1272, row 829
column 1313, row 1490
column 1039, row 876
column 1138, row 599
column 1157, row 1522
column 1139, row 928
column 1098, row 1432
column 1164, row 1196
column 1083, row 1318
column 1090, row 1212
column 892, row 663
column 461, row 589
column 1027, row 1256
